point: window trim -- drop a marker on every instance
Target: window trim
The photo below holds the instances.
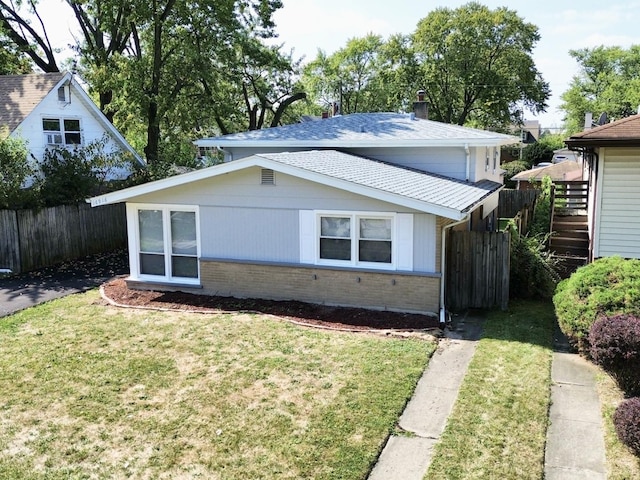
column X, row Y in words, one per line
column 355, row 239
column 134, row 242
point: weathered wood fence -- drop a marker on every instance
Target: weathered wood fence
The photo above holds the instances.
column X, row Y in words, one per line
column 512, row 201
column 31, row 239
column 477, row 273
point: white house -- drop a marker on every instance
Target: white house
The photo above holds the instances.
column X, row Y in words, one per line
column 612, row 153
column 53, row 110
column 351, row 210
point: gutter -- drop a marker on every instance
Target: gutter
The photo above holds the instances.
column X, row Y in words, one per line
column 443, row 269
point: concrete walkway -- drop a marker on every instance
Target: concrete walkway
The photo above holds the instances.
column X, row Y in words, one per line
column 425, row 417
column 575, row 441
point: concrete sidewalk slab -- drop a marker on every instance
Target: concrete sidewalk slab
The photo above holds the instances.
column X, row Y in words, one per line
column 426, row 414
column 575, row 441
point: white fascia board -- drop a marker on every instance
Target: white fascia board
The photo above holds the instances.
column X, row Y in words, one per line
column 170, row 182
column 333, row 144
column 104, row 121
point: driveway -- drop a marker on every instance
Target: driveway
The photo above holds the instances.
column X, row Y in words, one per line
column 28, row 289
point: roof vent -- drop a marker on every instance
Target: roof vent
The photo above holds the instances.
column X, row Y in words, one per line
column 267, row 177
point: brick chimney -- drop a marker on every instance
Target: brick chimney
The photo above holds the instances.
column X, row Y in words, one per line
column 420, row 109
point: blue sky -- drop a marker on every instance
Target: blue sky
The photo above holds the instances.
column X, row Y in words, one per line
column 309, row 25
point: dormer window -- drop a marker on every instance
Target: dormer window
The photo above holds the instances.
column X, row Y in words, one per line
column 61, row 131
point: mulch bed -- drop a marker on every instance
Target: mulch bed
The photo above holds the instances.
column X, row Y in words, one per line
column 311, row 314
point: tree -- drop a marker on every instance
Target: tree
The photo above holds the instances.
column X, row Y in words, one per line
column 608, row 82
column 476, row 66
column 15, row 170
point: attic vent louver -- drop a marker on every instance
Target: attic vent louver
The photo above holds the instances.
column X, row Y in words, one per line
column 267, row 177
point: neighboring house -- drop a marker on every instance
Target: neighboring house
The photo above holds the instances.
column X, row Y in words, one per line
column 567, row 171
column 350, row 210
column 612, row 153
column 50, row 110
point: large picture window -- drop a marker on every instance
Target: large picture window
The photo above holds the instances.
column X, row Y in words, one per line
column 167, row 243
column 356, row 240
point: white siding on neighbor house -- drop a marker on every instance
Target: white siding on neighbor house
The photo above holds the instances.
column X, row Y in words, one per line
column 618, row 223
column 31, row 128
column 479, row 170
column 259, row 234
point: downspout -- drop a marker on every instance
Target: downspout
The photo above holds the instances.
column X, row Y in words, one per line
column 226, row 154
column 443, row 265
column 468, row 154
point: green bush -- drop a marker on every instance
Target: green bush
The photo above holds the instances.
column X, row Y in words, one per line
column 15, row 170
column 533, row 270
column 608, row 286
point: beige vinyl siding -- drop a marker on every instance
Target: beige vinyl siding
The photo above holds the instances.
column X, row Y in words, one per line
column 619, row 219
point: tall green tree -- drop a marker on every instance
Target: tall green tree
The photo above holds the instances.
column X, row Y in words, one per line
column 608, row 82
column 476, row 66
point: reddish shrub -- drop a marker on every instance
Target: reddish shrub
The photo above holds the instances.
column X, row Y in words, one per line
column 627, row 422
column 615, row 346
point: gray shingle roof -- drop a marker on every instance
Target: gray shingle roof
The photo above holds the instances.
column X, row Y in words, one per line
column 20, row 94
column 385, row 177
column 361, row 129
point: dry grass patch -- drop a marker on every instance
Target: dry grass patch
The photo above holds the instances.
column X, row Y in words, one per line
column 95, row 391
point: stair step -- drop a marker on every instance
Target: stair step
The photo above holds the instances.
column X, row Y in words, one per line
column 556, row 240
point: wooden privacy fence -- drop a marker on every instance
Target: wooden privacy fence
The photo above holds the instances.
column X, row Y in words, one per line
column 477, row 274
column 31, row 239
column 512, row 201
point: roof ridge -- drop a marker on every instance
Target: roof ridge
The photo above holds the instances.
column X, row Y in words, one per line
column 607, row 126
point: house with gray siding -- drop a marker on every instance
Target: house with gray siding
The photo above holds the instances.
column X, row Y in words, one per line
column 612, row 153
column 350, row 210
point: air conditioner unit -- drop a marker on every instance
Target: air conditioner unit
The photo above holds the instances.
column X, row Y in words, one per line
column 54, row 139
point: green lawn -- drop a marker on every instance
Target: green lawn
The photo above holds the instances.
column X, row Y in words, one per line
column 90, row 391
column 498, row 427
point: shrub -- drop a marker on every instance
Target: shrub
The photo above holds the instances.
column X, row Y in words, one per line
column 627, row 422
column 533, row 270
column 15, row 171
column 614, row 344
column 608, row 286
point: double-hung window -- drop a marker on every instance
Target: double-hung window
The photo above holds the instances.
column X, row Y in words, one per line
column 356, row 240
column 62, row 131
column 167, row 243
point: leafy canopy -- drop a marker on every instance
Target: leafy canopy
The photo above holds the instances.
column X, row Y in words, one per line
column 608, row 82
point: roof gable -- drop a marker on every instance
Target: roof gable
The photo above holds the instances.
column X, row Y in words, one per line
column 371, row 178
column 361, row 130
column 20, row 94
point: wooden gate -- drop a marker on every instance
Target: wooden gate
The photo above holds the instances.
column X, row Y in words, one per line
column 477, row 270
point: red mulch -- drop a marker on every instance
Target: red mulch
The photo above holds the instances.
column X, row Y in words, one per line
column 319, row 315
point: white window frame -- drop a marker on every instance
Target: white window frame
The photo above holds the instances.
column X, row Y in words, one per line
column 62, row 132
column 134, row 242
column 310, row 223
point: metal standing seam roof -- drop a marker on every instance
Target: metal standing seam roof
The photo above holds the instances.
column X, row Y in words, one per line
column 362, row 128
column 20, row 94
column 397, row 180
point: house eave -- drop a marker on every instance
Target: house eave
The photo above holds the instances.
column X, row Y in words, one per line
column 132, row 193
column 338, row 144
column 600, row 142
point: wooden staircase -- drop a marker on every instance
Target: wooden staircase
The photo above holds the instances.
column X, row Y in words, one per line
column 569, row 240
